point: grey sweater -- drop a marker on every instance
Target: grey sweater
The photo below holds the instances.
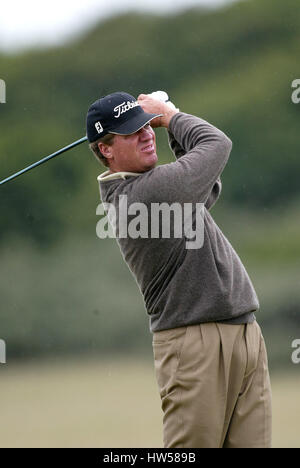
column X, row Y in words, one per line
column 183, row 286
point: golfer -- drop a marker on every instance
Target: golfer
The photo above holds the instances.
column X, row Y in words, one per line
column 209, row 353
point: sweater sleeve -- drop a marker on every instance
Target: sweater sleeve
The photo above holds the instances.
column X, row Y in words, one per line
column 214, row 194
column 175, row 146
column 202, row 151
column 217, row 187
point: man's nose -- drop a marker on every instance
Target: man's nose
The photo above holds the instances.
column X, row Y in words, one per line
column 145, row 133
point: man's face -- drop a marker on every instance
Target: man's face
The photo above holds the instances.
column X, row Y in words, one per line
column 133, row 153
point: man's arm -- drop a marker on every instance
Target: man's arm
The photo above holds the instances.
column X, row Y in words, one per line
column 175, row 146
column 193, row 176
column 214, row 195
column 178, row 153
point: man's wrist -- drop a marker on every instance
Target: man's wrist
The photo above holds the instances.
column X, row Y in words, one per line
column 167, row 117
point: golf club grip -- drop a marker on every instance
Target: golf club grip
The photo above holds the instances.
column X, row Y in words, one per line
column 42, row 161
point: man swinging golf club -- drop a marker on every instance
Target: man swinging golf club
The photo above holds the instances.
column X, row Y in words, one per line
column 210, row 357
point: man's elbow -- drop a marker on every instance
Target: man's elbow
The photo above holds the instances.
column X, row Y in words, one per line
column 225, row 144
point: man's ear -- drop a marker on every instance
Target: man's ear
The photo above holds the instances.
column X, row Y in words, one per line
column 105, row 150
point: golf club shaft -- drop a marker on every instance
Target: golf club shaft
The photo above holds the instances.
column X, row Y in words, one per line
column 42, row 161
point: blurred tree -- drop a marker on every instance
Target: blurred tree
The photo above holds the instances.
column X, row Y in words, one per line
column 232, row 66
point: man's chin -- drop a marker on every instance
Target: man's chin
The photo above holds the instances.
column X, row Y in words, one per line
column 148, row 163
column 152, row 160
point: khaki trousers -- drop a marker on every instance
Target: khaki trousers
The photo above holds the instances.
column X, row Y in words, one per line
column 214, row 386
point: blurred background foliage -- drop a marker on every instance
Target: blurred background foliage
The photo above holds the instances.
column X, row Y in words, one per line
column 63, row 291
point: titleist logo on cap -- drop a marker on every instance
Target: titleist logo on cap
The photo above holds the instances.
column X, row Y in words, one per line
column 125, row 107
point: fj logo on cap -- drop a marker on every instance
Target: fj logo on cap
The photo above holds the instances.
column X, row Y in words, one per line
column 98, row 127
column 124, row 107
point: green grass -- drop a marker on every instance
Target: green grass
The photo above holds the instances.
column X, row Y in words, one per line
column 100, row 402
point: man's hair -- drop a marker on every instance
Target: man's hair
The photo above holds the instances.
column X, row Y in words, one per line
column 107, row 140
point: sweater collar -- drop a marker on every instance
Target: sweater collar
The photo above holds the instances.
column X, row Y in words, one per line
column 106, row 176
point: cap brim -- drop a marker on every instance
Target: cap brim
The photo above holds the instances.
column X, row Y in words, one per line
column 135, row 124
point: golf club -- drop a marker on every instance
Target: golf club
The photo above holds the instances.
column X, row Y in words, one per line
column 42, row 161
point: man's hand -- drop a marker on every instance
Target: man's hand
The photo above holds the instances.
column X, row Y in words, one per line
column 154, row 106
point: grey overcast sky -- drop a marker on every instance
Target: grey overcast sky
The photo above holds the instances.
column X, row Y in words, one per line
column 27, row 23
